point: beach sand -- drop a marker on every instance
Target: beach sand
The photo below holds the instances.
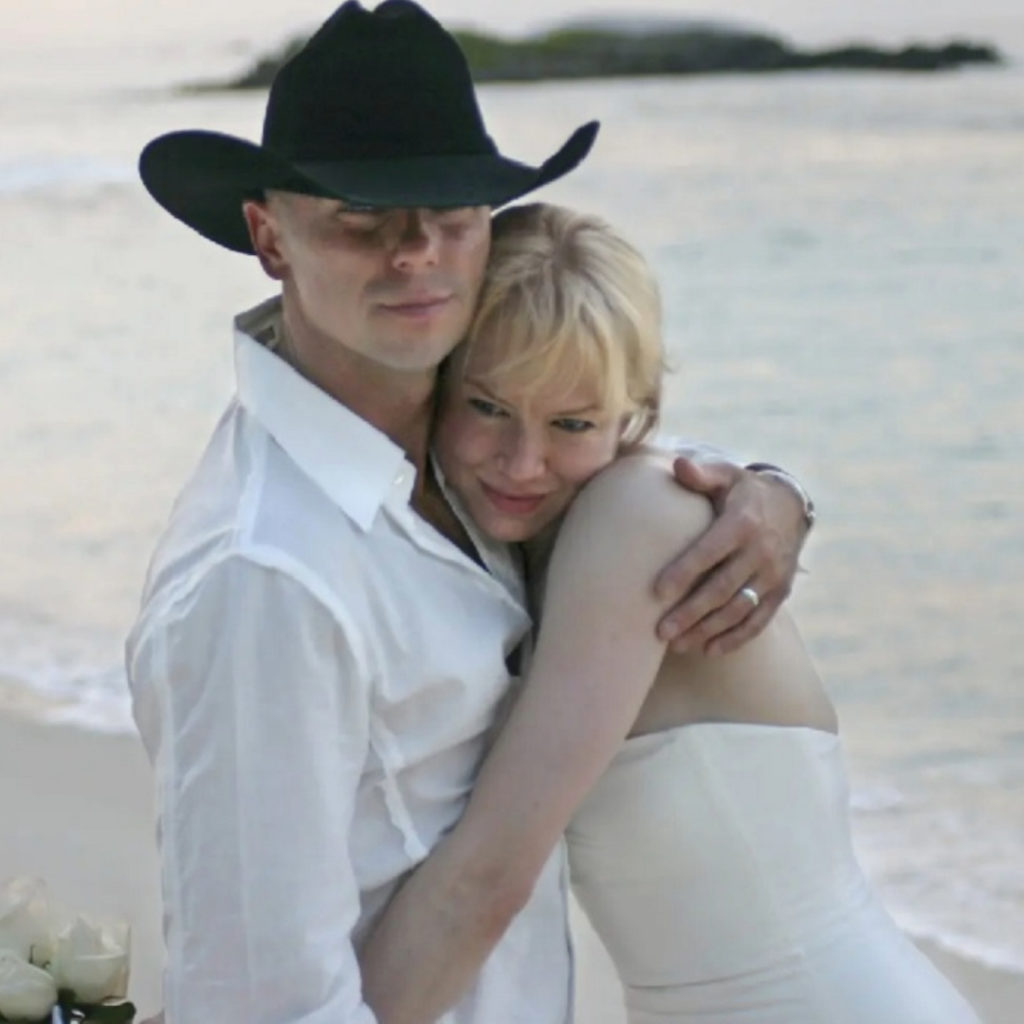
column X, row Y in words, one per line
column 77, row 808
column 78, row 811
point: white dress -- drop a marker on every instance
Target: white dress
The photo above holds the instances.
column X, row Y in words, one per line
column 715, row 862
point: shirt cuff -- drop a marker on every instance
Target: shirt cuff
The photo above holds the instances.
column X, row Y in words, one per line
column 778, row 473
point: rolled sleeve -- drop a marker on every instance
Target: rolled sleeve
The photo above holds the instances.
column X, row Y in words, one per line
column 254, row 707
column 698, row 451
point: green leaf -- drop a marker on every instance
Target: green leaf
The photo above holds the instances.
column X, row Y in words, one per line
column 93, row 1013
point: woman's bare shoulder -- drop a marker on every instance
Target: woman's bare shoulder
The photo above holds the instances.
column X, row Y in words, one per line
column 640, row 489
column 633, row 515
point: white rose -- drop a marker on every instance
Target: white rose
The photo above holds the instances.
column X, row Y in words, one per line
column 26, row 992
column 92, row 960
column 25, row 919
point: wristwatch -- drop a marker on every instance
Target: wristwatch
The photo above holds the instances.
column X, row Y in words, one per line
column 778, row 473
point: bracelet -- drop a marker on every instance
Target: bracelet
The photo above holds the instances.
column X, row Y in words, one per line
column 777, row 473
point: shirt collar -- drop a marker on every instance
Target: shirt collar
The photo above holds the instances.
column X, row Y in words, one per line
column 355, row 464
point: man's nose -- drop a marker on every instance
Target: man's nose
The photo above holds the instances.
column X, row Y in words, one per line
column 417, row 239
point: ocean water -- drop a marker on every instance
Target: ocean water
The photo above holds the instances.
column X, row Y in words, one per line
column 841, row 257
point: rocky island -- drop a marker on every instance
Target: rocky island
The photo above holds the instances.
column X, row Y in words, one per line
column 615, row 49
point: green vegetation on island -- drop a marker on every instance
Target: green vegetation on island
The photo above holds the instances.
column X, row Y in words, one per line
column 589, row 50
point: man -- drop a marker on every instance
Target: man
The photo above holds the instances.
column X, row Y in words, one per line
column 322, row 644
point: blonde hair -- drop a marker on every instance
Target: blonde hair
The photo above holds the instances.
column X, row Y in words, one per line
column 569, row 299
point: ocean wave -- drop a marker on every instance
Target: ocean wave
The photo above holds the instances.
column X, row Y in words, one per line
column 947, row 878
column 1000, row 956
column 41, row 173
column 63, row 675
column 876, row 799
column 102, row 711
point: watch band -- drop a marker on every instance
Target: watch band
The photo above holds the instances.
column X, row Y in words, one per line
column 778, row 473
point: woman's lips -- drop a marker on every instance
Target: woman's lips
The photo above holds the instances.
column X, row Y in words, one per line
column 512, row 504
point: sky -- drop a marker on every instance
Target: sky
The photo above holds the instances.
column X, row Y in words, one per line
column 261, row 23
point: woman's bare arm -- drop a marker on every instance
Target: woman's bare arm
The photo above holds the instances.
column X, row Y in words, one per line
column 597, row 655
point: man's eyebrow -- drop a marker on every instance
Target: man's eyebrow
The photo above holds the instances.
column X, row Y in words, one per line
column 347, row 207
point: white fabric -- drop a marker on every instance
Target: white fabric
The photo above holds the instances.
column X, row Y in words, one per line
column 314, row 673
column 715, row 862
column 699, row 451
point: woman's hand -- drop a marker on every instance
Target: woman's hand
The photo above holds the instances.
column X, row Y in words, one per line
column 729, row 583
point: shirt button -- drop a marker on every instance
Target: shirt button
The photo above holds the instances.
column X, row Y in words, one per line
column 400, row 478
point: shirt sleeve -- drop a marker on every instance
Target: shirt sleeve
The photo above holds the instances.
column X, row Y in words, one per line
column 699, row 451
column 255, row 710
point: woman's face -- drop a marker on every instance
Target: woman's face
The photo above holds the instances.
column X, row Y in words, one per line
column 515, row 460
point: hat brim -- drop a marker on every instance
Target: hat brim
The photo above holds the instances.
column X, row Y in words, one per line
column 202, row 178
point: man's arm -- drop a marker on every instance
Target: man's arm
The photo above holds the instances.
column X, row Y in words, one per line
column 750, row 550
column 252, row 707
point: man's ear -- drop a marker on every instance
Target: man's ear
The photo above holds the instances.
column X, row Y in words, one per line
column 265, row 235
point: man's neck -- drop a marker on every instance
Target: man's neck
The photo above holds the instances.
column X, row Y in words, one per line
column 400, row 405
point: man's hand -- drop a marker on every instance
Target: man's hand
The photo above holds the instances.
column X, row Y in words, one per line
column 749, row 551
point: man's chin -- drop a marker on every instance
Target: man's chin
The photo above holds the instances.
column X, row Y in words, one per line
column 419, row 354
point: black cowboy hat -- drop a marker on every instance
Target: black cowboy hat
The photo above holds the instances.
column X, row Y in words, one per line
column 377, row 109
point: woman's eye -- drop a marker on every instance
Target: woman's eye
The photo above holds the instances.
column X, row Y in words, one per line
column 485, row 408
column 572, row 425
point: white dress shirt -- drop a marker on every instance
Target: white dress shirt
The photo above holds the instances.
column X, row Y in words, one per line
column 315, row 670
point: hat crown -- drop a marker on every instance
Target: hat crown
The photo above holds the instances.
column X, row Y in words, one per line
column 387, row 83
column 377, row 109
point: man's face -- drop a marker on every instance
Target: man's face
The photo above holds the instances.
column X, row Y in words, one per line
column 396, row 287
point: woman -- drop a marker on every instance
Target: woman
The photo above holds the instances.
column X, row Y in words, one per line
column 711, row 849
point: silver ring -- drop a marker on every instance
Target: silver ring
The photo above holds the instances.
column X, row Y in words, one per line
column 751, row 595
